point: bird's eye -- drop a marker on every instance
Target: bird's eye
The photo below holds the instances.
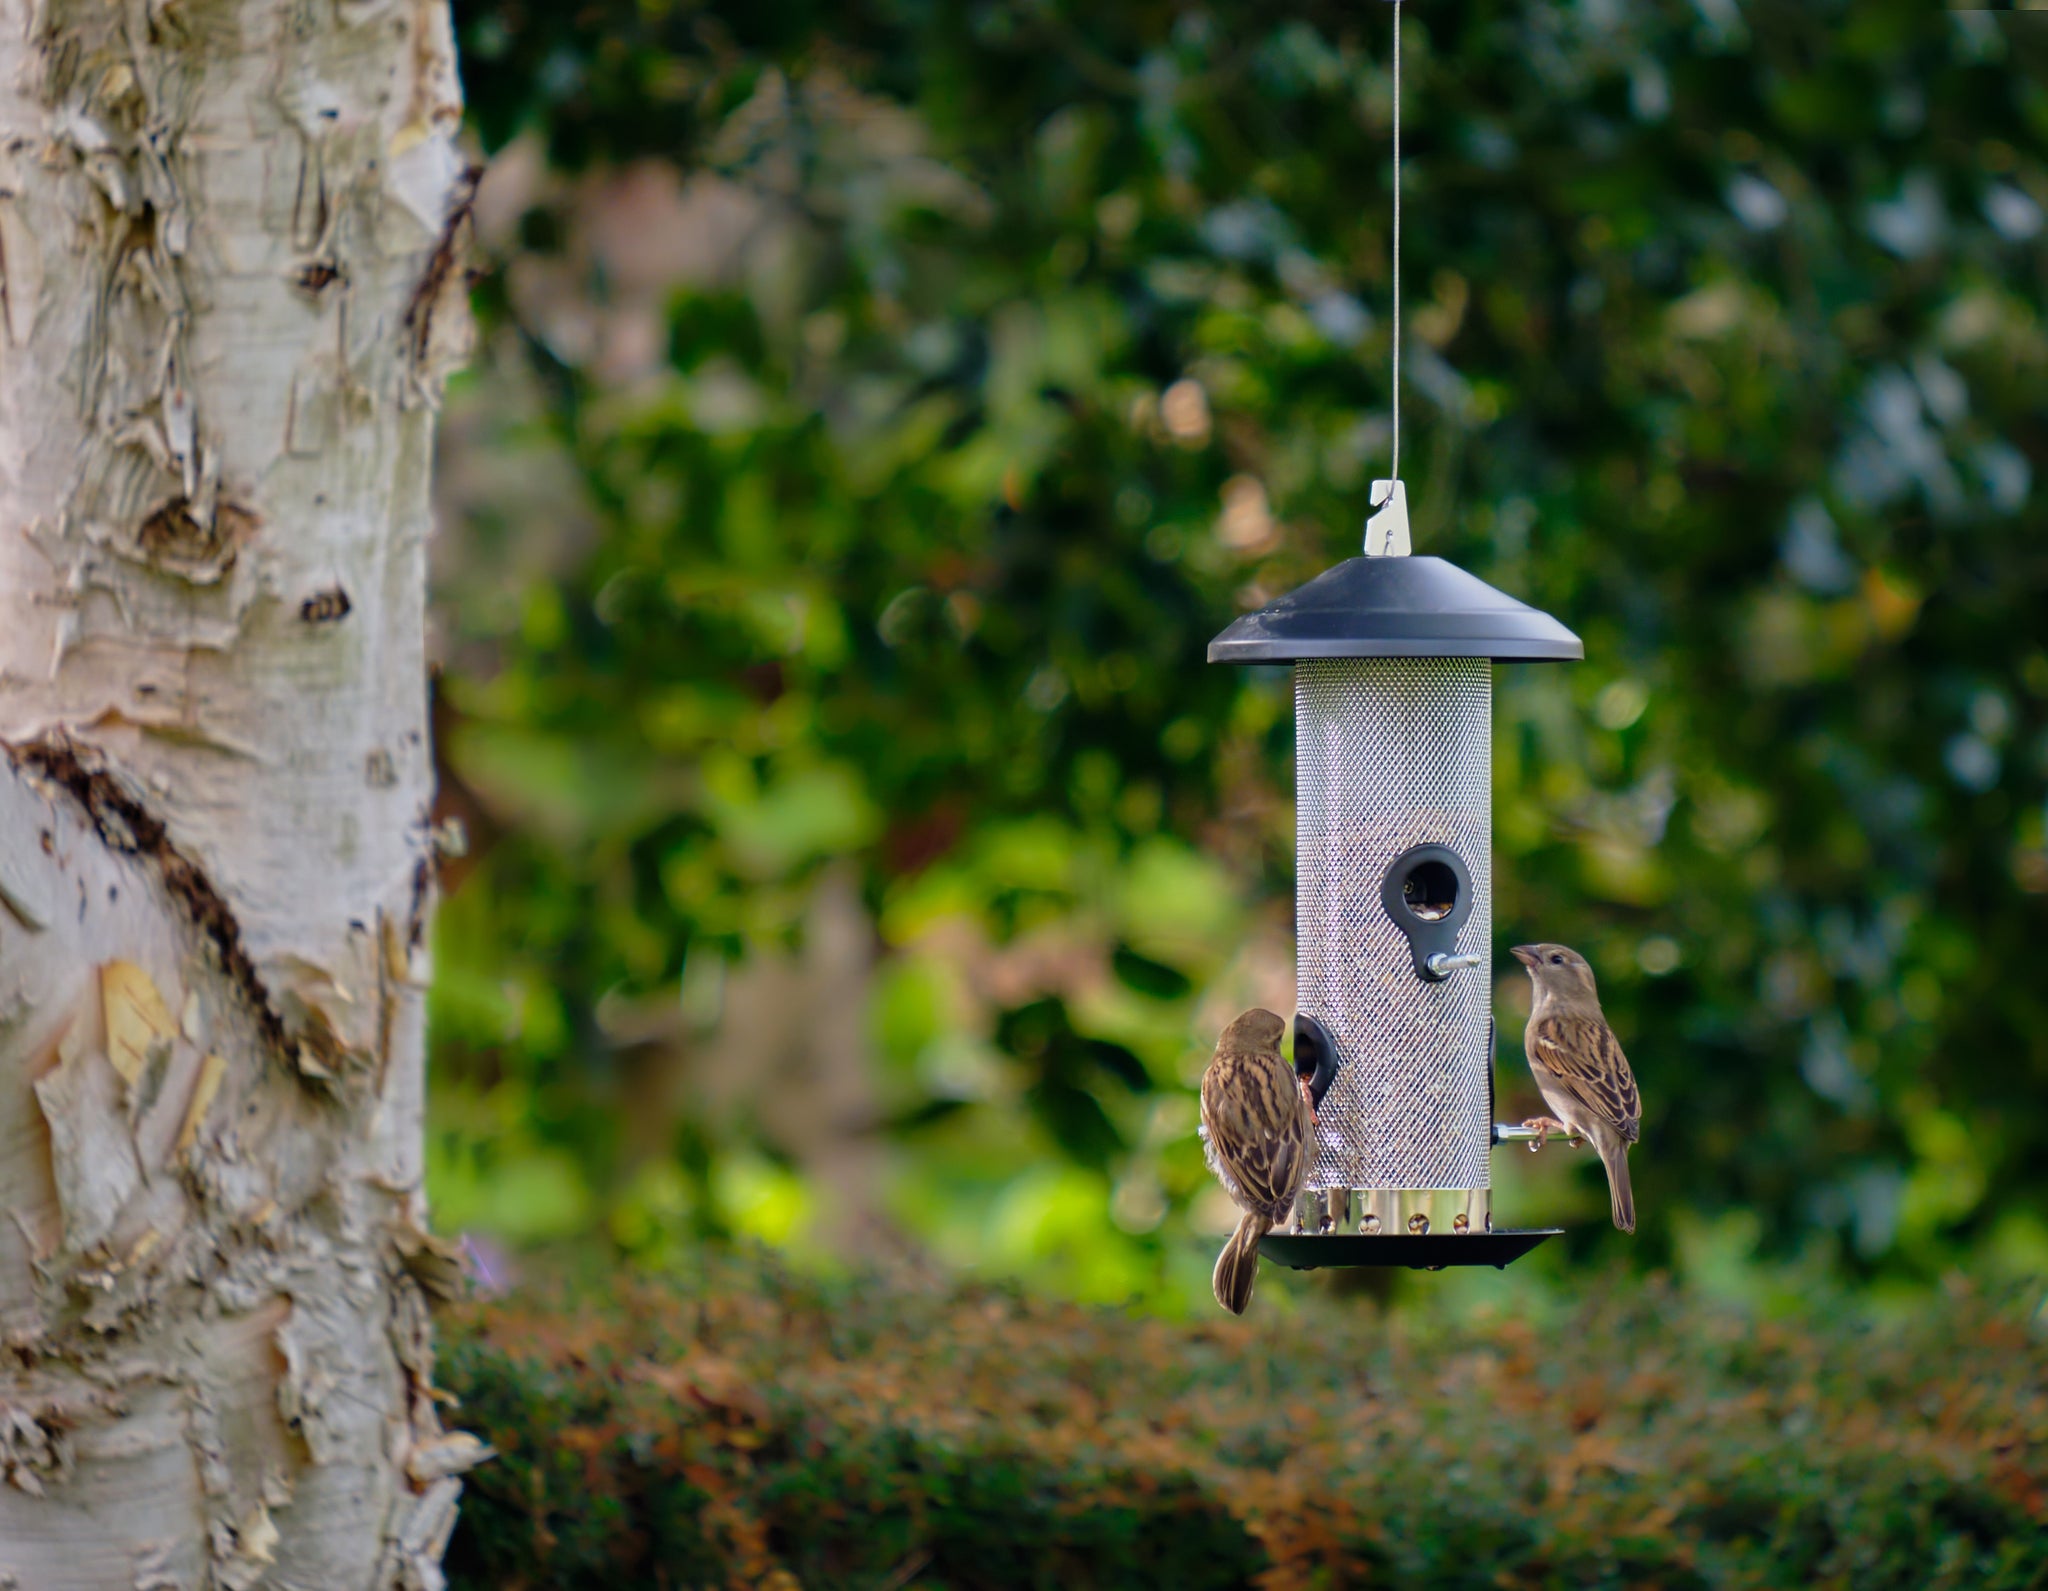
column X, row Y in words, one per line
column 1557, row 961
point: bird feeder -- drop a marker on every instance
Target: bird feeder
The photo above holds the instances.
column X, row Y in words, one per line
column 1393, row 659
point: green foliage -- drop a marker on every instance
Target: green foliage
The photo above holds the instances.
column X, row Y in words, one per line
column 742, row 1426
column 890, row 530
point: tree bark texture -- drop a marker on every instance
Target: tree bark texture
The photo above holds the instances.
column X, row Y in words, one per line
column 229, row 291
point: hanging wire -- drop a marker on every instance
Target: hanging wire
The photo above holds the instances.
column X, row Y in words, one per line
column 1394, row 467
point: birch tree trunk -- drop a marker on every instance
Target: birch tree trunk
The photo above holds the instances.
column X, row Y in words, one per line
column 228, row 242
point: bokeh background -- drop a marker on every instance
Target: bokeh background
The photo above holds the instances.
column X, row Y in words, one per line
column 878, row 405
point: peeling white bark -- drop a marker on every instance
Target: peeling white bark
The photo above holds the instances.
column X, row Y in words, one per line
column 229, row 290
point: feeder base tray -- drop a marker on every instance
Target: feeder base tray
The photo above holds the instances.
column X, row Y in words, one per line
column 1429, row 1252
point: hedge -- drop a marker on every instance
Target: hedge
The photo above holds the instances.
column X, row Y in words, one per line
column 746, row 1426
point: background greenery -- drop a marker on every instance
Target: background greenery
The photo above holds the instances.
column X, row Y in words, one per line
column 881, row 402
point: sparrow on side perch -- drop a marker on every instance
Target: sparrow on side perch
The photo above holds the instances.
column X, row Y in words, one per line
column 1579, row 1067
column 1257, row 1118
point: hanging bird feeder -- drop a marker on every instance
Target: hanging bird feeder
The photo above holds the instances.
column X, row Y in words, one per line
column 1393, row 711
column 1393, row 660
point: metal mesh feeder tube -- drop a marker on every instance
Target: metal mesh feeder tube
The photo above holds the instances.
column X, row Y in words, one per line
column 1393, row 687
column 1392, row 755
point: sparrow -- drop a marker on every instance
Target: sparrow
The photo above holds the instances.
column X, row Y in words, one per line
column 1579, row 1067
column 1257, row 1127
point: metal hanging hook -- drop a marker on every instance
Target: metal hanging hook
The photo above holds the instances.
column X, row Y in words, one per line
column 1386, row 533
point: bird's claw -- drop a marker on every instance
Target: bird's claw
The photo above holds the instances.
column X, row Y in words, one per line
column 1308, row 1098
column 1546, row 1125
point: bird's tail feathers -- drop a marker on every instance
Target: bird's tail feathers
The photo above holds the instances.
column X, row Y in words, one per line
column 1237, row 1267
column 1615, row 1156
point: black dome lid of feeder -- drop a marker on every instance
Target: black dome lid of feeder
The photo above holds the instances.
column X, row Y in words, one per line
column 1396, row 606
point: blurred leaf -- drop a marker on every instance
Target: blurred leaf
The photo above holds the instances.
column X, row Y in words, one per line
column 1151, row 977
column 1076, row 1121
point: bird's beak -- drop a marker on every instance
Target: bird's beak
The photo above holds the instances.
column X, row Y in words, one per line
column 1525, row 954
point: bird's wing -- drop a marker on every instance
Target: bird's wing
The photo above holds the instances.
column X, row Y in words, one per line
column 1580, row 1056
column 1258, row 1124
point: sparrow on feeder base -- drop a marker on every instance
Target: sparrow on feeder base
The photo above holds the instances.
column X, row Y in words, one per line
column 1257, row 1126
column 1579, row 1067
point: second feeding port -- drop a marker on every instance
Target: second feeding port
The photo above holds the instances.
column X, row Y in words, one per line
column 1428, row 894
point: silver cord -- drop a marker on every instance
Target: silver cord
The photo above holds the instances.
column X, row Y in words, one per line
column 1394, row 467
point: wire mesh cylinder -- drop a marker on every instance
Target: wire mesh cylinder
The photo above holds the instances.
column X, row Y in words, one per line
column 1391, row 753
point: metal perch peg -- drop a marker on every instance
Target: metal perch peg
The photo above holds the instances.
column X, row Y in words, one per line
column 1505, row 1132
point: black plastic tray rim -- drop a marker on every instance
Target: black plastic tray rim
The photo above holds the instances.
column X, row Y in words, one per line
column 1429, row 1252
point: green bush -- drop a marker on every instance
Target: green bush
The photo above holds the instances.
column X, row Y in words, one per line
column 745, row 1426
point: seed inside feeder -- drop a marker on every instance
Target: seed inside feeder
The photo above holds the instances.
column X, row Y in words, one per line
column 1431, row 891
